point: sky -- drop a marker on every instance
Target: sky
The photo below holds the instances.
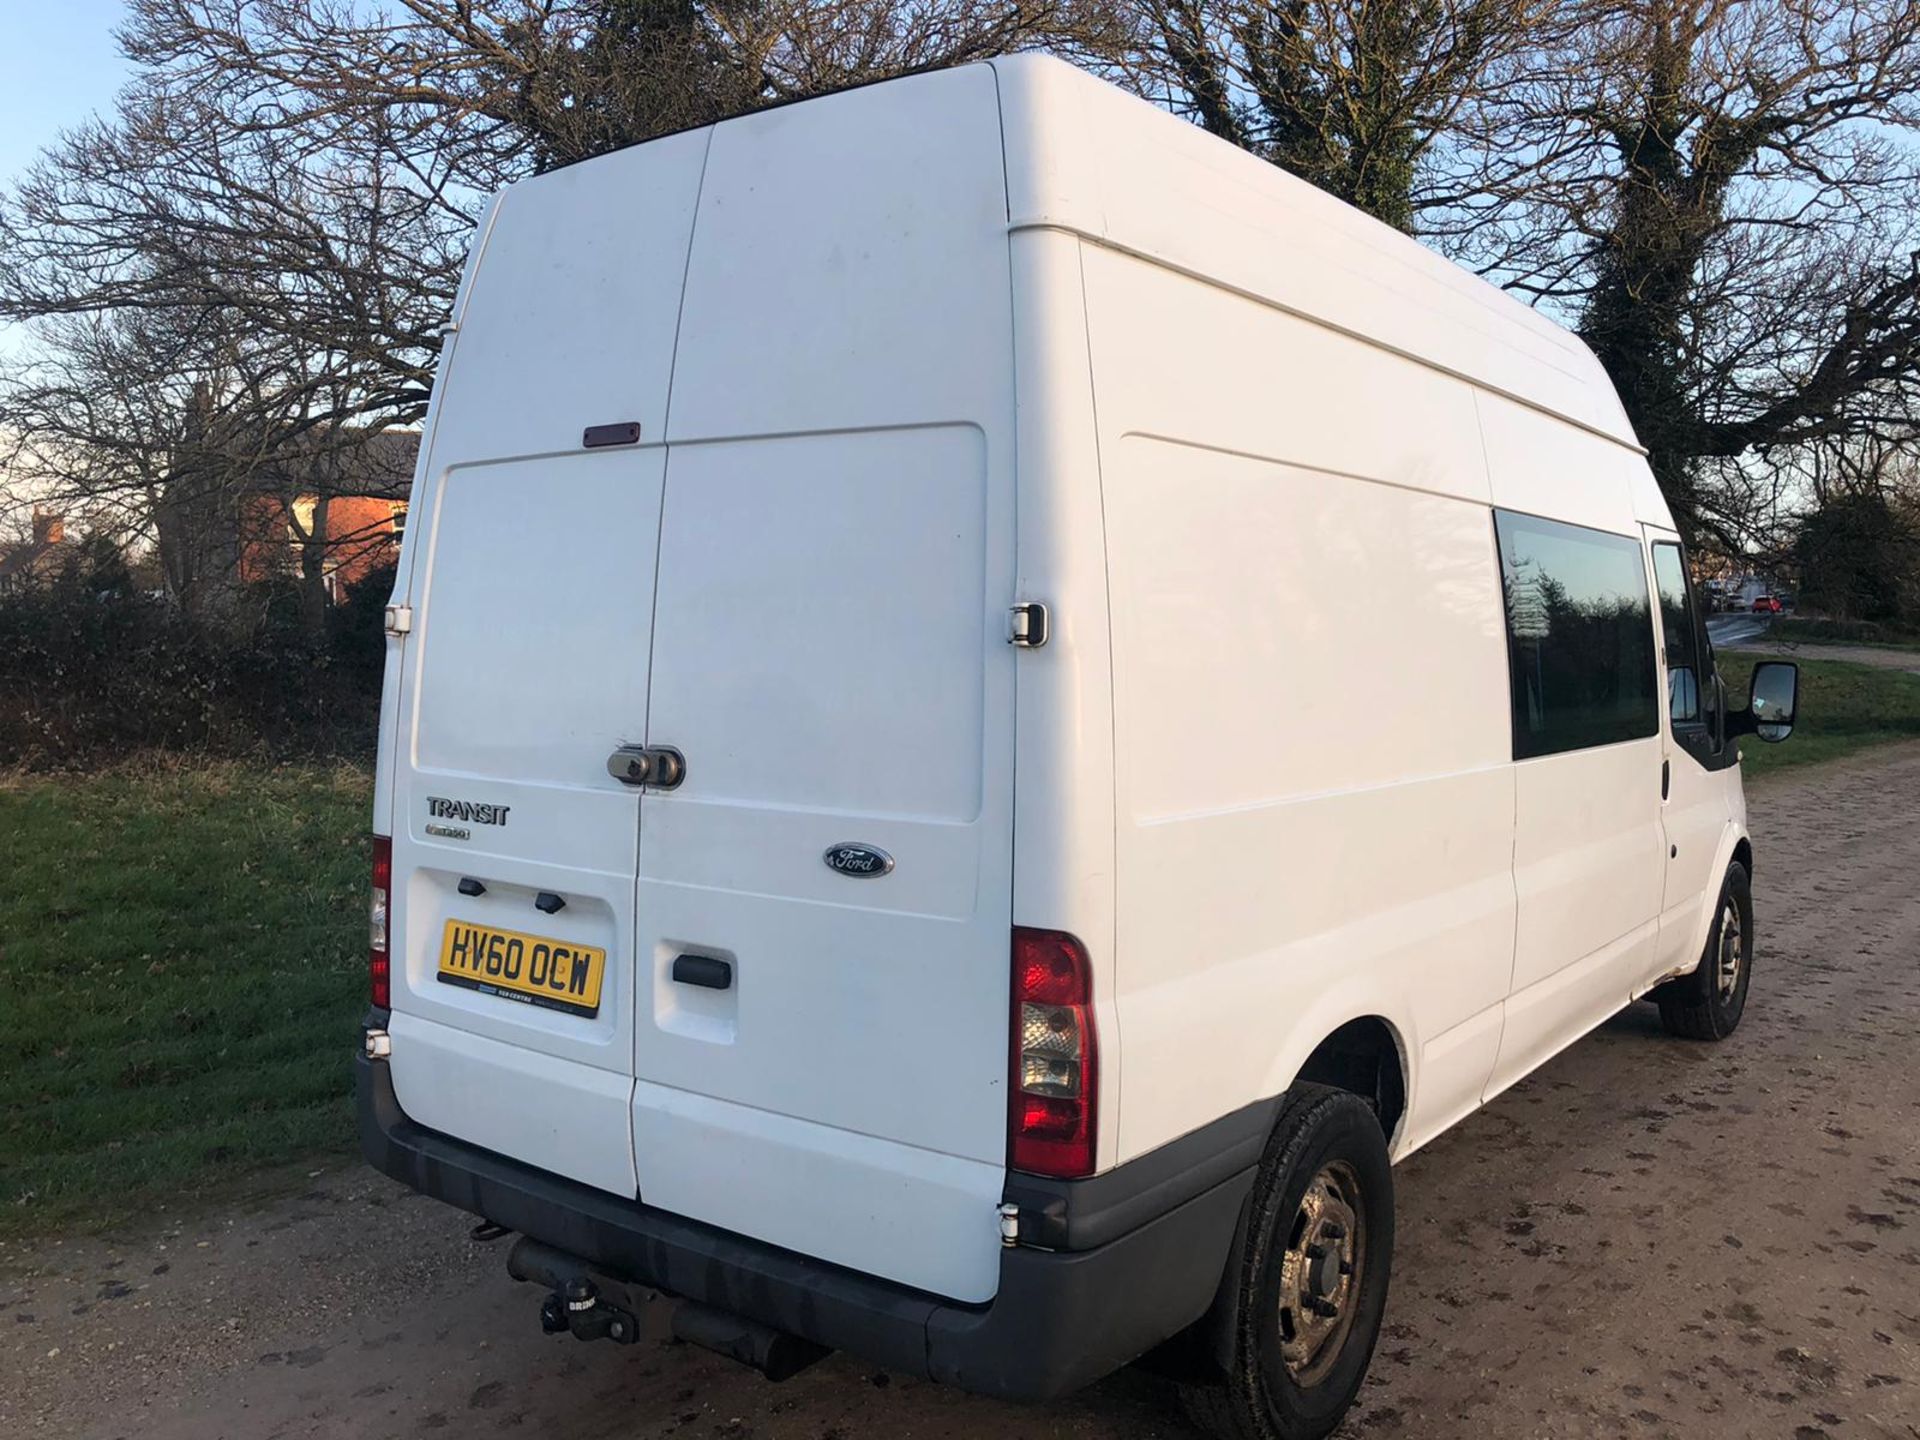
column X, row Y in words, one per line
column 58, row 65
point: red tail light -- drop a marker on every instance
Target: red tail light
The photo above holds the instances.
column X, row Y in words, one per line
column 1051, row 1118
column 379, row 963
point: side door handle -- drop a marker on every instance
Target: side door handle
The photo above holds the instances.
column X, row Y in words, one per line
column 660, row 766
column 1666, row 777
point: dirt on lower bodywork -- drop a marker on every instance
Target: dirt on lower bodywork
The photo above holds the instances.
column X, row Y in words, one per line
column 1648, row 1237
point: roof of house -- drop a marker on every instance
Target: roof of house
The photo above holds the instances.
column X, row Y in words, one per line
column 350, row 461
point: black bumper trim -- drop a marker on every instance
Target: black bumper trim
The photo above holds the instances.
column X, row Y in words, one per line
column 1060, row 1320
column 1085, row 1214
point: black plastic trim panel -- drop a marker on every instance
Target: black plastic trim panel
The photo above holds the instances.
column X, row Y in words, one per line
column 1084, row 1214
column 1059, row 1321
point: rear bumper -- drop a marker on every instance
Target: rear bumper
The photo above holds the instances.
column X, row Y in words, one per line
column 1062, row 1317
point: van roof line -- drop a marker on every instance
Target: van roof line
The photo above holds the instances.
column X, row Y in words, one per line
column 1107, row 242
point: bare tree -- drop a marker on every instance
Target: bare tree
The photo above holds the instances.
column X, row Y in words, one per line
column 108, row 423
column 249, row 261
column 206, row 300
column 1723, row 195
column 193, row 430
column 1355, row 95
column 1720, row 194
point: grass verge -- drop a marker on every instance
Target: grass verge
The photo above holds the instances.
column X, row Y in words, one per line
column 182, row 966
column 1792, row 629
column 1843, row 708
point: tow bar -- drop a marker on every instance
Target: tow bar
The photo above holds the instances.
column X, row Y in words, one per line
column 591, row 1307
column 574, row 1303
column 581, row 1312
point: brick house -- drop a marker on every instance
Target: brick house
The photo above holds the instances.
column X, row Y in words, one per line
column 363, row 533
column 363, row 492
column 37, row 557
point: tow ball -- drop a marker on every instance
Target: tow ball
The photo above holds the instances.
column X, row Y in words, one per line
column 575, row 1304
column 577, row 1309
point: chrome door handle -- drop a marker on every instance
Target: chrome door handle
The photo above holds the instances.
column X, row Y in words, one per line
column 660, row 766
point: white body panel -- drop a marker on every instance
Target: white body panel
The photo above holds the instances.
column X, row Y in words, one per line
column 901, row 358
column 1698, row 817
column 1262, row 533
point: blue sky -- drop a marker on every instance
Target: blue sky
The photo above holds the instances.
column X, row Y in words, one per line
column 58, row 65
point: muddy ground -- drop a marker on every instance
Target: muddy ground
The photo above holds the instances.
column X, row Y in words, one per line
column 1648, row 1237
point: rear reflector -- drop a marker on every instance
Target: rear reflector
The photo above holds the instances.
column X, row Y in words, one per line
column 379, row 964
column 1051, row 1120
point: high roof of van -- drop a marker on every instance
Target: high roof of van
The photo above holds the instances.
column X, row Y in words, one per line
column 606, row 260
column 1087, row 157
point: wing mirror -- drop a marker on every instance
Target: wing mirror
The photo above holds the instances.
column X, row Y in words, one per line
column 1770, row 701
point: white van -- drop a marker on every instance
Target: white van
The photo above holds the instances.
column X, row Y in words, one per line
column 991, row 706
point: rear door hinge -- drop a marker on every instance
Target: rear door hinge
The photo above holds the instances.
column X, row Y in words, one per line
column 399, row 619
column 1029, row 625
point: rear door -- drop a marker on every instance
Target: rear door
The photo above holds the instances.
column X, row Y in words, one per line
column 830, row 655
column 841, row 842
column 531, row 587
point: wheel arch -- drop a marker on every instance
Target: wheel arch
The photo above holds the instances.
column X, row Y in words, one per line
column 1359, row 1036
column 1366, row 1056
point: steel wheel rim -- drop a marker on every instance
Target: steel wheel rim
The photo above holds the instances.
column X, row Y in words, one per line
column 1728, row 961
column 1320, row 1273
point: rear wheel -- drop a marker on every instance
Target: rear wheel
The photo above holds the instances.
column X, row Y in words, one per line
column 1313, row 1277
column 1708, row 1004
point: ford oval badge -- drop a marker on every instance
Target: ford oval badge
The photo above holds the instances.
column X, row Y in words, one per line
column 863, row 862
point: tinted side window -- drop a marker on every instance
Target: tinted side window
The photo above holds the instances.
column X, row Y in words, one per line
column 1579, row 636
column 1677, row 623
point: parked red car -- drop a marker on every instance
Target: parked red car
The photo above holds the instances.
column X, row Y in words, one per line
column 1766, row 605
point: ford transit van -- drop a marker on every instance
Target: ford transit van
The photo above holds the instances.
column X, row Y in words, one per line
column 991, row 708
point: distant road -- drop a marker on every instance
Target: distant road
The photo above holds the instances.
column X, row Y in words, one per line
column 1736, row 629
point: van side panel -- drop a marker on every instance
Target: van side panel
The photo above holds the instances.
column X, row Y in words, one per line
column 1542, row 466
column 1309, row 665
column 1588, row 857
column 1087, row 157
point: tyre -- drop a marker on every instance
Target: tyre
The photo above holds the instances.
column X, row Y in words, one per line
column 1707, row 1004
column 1312, row 1279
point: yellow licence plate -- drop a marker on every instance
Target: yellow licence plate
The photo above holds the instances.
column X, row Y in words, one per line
column 529, row 968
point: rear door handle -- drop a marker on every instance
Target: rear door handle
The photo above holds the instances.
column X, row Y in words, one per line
column 660, row 766
column 1666, row 777
column 707, row 971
